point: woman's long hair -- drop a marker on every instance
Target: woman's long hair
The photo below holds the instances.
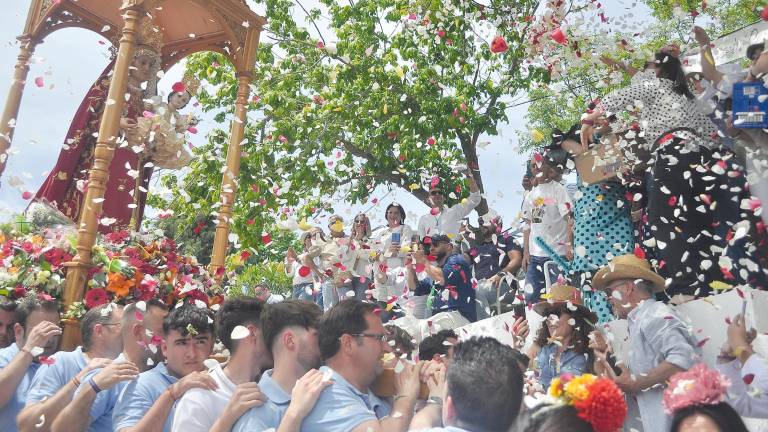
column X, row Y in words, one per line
column 367, row 231
column 669, row 67
column 722, row 414
column 579, row 337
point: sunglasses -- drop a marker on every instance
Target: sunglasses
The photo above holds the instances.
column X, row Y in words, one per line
column 435, row 192
column 361, row 222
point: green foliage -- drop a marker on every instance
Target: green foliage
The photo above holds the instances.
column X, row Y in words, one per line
column 561, row 104
column 252, row 274
column 357, row 107
column 724, row 16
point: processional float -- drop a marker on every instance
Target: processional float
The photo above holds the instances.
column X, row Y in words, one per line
column 176, row 28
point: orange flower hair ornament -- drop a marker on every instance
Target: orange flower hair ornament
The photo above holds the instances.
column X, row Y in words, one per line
column 598, row 401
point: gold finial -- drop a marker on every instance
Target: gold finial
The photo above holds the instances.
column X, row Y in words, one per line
column 191, row 84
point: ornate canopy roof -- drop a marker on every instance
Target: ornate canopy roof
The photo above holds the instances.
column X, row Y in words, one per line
column 187, row 26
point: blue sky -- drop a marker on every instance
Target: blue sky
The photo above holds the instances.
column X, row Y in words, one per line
column 71, row 59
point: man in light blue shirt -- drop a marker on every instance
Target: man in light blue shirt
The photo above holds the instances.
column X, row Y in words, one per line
column 352, row 341
column 478, row 365
column 290, row 333
column 57, row 379
column 35, row 330
column 660, row 344
column 147, row 404
column 91, row 408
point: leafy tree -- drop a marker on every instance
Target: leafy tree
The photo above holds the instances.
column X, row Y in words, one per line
column 584, row 78
column 389, row 92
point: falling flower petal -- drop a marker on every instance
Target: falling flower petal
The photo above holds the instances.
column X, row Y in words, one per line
column 240, row 332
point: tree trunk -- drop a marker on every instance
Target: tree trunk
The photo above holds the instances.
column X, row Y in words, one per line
column 469, row 149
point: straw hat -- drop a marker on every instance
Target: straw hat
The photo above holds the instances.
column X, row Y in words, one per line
column 563, row 298
column 627, row 267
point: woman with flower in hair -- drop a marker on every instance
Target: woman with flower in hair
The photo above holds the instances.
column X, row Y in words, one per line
column 583, row 403
column 562, row 343
column 696, row 400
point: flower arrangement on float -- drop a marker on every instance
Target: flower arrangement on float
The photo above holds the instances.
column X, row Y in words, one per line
column 126, row 267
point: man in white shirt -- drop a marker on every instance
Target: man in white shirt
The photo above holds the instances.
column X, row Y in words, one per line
column 447, row 220
column 262, row 292
column 238, row 326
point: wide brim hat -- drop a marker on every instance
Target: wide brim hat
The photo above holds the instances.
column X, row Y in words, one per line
column 563, row 298
column 627, row 267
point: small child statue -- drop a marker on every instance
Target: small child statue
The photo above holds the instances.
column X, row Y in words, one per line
column 165, row 128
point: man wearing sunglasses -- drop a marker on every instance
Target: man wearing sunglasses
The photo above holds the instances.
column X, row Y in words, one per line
column 447, row 220
column 352, row 341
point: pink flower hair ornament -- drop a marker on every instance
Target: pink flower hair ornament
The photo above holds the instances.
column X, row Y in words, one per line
column 698, row 385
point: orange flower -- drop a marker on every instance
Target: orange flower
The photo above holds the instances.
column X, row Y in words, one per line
column 118, row 284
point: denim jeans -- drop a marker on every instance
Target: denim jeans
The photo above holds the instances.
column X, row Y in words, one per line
column 487, row 299
column 306, row 292
column 534, row 278
column 361, row 286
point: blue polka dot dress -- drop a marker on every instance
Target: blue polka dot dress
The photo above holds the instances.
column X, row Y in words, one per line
column 602, row 229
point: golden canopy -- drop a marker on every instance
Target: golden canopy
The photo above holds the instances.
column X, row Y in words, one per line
column 187, row 26
column 183, row 27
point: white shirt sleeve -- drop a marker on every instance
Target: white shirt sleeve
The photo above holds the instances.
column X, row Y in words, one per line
column 748, row 400
column 192, row 413
column 461, row 210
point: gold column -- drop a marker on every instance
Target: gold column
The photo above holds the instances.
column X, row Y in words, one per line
column 132, row 12
column 13, row 101
column 229, row 181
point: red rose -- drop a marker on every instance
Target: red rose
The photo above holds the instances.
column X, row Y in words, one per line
column 499, row 45
column 558, row 36
column 179, row 87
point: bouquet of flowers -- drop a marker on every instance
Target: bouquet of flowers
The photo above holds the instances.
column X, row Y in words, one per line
column 33, row 262
column 126, row 267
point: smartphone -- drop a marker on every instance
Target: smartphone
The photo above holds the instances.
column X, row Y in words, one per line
column 519, row 310
column 395, row 238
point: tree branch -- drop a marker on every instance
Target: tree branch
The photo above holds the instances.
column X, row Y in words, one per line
column 319, row 33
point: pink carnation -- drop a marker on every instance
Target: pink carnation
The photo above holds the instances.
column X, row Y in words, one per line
column 697, row 386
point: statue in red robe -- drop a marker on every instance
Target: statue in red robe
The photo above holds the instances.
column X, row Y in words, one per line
column 128, row 179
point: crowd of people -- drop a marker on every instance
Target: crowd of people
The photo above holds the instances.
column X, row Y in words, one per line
column 370, row 339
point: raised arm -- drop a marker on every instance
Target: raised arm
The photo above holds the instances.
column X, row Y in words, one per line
column 474, row 198
column 303, row 399
column 246, row 396
column 12, row 374
column 46, row 411
column 76, row 417
column 708, row 68
column 154, row 419
column 408, row 385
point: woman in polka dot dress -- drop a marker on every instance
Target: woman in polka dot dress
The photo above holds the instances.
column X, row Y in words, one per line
column 602, row 229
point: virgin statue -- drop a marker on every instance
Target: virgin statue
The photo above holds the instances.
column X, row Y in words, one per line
column 126, row 187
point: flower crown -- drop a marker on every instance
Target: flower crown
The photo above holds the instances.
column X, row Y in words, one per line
column 697, row 386
column 598, row 401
